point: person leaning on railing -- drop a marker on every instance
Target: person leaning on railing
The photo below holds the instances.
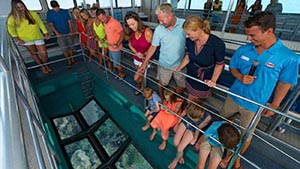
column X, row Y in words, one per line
column 25, row 27
column 276, row 68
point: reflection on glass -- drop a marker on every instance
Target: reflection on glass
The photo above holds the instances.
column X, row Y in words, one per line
column 131, row 158
column 92, row 112
column 82, row 155
column 110, row 136
column 67, row 126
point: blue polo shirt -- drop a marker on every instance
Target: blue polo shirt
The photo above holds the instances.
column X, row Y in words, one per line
column 172, row 44
column 212, row 131
column 155, row 99
column 60, row 20
column 278, row 63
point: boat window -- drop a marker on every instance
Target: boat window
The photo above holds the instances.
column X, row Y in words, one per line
column 33, row 5
column 62, row 4
column 87, row 2
column 124, row 3
column 195, row 4
column 106, row 4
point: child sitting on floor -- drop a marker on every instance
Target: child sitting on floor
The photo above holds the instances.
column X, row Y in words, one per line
column 221, row 131
column 166, row 119
column 153, row 106
column 186, row 133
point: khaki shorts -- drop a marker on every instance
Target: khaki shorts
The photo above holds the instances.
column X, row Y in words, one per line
column 65, row 42
column 217, row 151
column 231, row 108
column 164, row 75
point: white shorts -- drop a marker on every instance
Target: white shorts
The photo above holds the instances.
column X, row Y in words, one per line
column 139, row 64
column 35, row 42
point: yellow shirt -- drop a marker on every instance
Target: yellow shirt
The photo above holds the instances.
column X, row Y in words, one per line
column 100, row 32
column 26, row 31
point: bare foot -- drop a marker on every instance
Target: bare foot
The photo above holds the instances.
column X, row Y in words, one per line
column 153, row 134
column 173, row 164
column 224, row 163
column 145, row 127
column 162, row 146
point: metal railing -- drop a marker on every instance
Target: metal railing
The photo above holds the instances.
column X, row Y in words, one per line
column 16, row 98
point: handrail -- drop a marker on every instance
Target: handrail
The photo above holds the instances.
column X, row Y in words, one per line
column 223, row 90
column 11, row 137
column 19, row 159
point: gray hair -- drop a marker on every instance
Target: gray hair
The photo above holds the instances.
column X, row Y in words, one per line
column 165, row 8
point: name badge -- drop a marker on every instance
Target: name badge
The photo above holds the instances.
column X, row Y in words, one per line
column 245, row 58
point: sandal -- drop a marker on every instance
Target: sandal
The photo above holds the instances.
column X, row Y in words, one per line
column 69, row 65
column 44, row 70
column 137, row 92
column 74, row 61
column 48, row 69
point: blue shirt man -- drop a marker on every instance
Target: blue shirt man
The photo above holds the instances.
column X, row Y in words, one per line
column 170, row 36
column 277, row 69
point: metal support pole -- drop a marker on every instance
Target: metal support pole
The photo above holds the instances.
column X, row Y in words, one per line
column 227, row 15
column 245, row 136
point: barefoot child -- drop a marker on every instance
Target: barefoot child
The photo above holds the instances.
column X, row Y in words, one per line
column 223, row 132
column 165, row 119
column 153, row 106
column 185, row 133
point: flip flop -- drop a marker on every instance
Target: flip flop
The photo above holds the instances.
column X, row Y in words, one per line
column 137, row 92
column 120, row 77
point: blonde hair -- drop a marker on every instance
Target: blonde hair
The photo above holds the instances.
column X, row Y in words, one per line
column 87, row 13
column 194, row 111
column 194, row 22
column 147, row 92
column 16, row 14
column 165, row 8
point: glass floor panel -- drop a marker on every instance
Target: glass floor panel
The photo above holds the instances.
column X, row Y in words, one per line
column 110, row 137
column 92, row 112
column 82, row 154
column 132, row 158
column 67, row 126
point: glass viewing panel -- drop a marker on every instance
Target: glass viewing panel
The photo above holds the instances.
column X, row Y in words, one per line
column 82, row 155
column 67, row 126
column 131, row 158
column 110, row 136
column 92, row 112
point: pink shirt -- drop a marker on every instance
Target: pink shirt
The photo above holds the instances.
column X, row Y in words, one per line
column 140, row 45
column 112, row 30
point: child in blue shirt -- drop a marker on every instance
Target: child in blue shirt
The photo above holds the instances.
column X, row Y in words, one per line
column 219, row 132
column 153, row 106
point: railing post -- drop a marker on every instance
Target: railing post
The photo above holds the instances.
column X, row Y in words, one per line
column 278, row 118
column 245, row 136
column 227, row 15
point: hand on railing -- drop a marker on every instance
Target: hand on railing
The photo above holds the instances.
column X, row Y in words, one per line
column 177, row 69
column 269, row 113
column 140, row 55
column 210, row 83
column 47, row 36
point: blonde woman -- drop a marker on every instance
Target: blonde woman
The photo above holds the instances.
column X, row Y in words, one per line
column 80, row 26
column 92, row 44
column 24, row 26
column 204, row 58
